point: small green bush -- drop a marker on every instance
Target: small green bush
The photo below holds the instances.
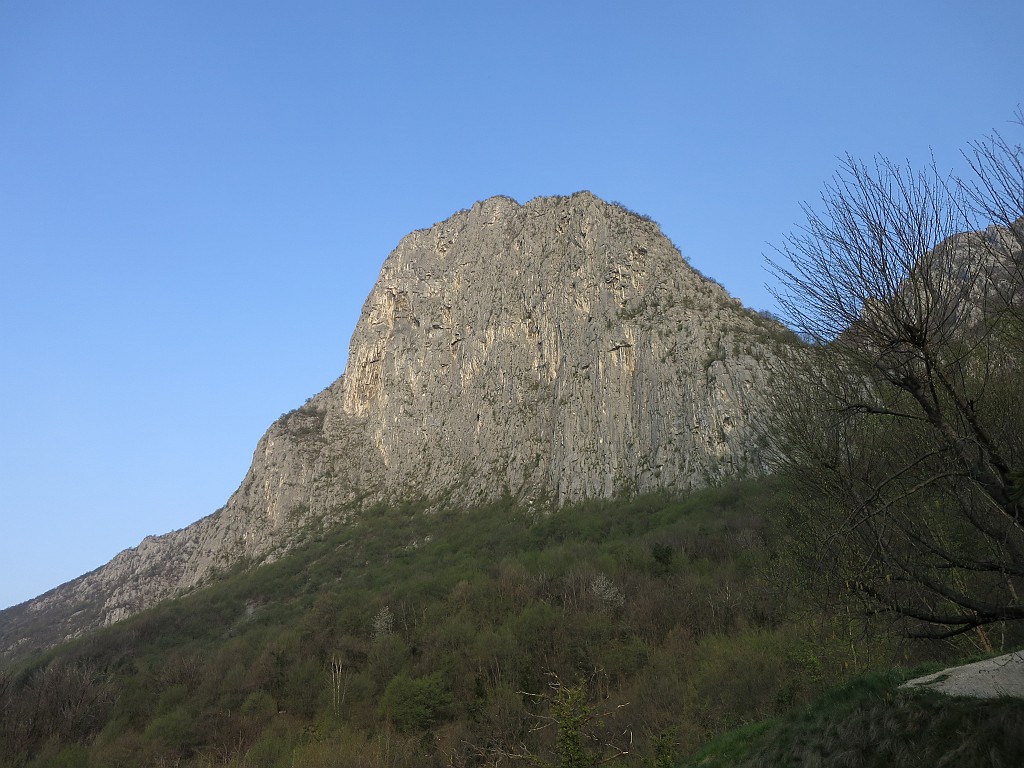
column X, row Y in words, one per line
column 415, row 704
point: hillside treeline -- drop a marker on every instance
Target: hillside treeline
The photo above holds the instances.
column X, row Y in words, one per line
column 456, row 638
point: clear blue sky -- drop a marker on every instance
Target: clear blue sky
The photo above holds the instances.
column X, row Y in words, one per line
column 196, row 196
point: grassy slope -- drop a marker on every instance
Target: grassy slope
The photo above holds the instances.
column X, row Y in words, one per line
column 870, row 722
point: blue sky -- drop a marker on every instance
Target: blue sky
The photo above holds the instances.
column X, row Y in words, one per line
column 196, row 197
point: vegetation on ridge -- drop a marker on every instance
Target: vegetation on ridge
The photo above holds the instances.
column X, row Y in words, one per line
column 419, row 638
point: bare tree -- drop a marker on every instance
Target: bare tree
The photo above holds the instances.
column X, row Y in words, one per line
column 996, row 193
column 581, row 732
column 996, row 189
column 339, row 683
column 903, row 421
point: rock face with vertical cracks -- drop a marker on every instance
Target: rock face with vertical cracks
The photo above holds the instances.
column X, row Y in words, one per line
column 553, row 351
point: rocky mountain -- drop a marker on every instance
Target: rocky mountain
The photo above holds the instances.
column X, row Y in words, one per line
column 553, row 351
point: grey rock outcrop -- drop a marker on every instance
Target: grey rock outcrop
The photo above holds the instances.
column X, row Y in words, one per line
column 552, row 351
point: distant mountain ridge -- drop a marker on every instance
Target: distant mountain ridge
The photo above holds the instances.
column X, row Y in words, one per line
column 551, row 352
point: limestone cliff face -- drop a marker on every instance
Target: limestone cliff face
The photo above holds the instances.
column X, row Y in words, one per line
column 551, row 351
column 561, row 349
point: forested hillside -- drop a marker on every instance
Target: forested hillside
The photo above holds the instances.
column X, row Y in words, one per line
column 466, row 637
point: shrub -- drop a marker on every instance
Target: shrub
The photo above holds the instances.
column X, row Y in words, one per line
column 415, row 704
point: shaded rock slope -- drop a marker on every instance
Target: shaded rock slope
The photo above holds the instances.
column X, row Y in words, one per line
column 552, row 351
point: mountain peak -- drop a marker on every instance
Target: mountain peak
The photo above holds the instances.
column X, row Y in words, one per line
column 563, row 297
column 552, row 351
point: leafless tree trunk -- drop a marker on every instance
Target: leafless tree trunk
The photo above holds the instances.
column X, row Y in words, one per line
column 339, row 683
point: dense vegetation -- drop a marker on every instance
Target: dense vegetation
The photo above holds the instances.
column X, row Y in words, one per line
column 871, row 723
column 417, row 638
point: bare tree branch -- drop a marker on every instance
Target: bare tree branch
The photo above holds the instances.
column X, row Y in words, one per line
column 906, row 415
